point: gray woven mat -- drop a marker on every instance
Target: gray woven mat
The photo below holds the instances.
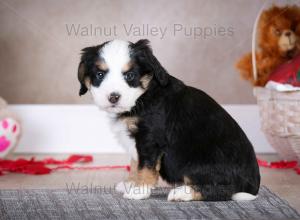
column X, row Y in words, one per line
column 106, row 204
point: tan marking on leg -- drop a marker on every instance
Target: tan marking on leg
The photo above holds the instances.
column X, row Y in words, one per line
column 146, row 180
column 196, row 195
column 133, row 171
column 158, row 163
column 131, row 123
column 145, row 81
column 147, row 176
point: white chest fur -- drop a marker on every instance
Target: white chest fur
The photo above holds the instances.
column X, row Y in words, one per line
column 120, row 129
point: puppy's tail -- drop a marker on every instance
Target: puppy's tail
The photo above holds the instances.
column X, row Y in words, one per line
column 243, row 196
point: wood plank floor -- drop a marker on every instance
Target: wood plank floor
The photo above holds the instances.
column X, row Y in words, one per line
column 285, row 183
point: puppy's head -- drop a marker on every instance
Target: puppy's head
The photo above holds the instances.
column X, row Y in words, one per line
column 118, row 72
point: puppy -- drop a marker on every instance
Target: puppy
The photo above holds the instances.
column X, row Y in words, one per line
column 172, row 130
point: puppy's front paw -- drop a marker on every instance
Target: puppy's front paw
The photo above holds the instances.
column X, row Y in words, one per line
column 124, row 186
column 181, row 193
column 138, row 192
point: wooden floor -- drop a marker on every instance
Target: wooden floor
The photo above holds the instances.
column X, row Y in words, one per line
column 285, row 183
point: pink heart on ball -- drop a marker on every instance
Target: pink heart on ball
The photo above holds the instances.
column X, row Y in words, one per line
column 4, row 124
column 4, row 143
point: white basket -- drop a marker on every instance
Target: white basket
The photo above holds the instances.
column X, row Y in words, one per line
column 279, row 111
column 280, row 120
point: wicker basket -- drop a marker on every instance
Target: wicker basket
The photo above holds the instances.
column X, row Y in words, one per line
column 279, row 111
column 280, row 120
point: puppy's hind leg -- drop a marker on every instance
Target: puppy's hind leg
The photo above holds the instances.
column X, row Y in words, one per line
column 243, row 196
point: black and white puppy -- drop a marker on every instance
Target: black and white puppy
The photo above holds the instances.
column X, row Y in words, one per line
column 178, row 132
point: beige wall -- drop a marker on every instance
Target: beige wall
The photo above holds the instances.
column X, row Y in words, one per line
column 39, row 58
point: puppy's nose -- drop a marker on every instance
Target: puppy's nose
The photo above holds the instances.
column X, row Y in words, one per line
column 288, row 33
column 114, row 97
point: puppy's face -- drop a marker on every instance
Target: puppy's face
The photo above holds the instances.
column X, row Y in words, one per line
column 117, row 73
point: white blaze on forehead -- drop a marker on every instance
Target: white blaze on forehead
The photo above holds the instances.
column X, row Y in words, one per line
column 116, row 54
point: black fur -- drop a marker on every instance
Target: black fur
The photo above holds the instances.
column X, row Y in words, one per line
column 87, row 68
column 192, row 135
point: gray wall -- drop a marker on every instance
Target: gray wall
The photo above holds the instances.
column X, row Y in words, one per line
column 39, row 57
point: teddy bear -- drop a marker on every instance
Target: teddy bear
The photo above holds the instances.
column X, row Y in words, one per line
column 10, row 130
column 278, row 42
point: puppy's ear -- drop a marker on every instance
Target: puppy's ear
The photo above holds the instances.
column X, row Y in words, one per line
column 81, row 78
column 145, row 55
column 88, row 57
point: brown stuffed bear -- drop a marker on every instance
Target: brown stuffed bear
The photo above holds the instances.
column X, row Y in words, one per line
column 278, row 42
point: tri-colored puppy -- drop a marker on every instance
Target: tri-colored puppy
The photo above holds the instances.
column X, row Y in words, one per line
column 172, row 130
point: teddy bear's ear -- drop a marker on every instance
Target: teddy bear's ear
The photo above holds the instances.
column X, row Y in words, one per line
column 296, row 28
column 295, row 13
column 295, row 16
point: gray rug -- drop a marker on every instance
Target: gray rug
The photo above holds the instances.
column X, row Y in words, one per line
column 100, row 203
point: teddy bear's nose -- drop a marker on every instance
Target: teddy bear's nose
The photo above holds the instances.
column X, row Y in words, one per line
column 288, row 33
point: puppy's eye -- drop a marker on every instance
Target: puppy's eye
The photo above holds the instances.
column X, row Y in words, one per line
column 129, row 76
column 277, row 32
column 100, row 75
